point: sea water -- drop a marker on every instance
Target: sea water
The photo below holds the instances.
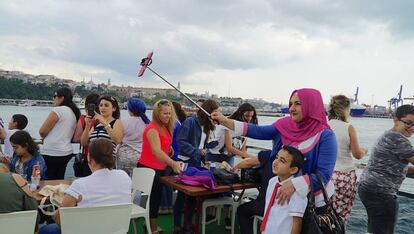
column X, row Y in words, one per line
column 368, row 130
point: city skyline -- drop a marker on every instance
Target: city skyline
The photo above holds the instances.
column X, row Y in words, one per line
column 250, row 49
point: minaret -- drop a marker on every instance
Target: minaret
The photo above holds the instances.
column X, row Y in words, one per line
column 179, row 88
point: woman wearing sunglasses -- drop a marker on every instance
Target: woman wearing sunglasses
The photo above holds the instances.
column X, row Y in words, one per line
column 386, row 170
column 57, row 132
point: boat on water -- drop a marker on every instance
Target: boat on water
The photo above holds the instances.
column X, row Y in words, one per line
column 79, row 101
column 357, row 110
column 27, row 103
column 284, row 110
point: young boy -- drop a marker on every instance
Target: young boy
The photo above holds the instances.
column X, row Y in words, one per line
column 390, row 161
column 17, row 122
column 286, row 218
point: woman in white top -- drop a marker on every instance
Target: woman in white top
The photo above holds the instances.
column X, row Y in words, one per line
column 57, row 131
column 130, row 149
column 104, row 187
column 344, row 176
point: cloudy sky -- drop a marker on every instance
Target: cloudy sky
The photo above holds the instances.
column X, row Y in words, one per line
column 247, row 48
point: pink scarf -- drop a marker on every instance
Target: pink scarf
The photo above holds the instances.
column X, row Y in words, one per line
column 314, row 119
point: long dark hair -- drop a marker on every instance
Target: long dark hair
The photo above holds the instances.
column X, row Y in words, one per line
column 243, row 108
column 210, row 106
column 181, row 115
column 24, row 139
column 66, row 93
column 117, row 113
column 92, row 98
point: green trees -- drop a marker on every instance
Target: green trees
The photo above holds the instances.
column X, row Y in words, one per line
column 17, row 89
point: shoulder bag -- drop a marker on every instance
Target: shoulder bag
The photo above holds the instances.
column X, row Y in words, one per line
column 78, row 163
column 321, row 220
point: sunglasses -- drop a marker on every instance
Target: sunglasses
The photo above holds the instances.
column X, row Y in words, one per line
column 163, row 102
column 408, row 124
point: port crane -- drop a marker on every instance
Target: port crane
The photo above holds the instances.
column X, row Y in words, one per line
column 355, row 98
column 396, row 101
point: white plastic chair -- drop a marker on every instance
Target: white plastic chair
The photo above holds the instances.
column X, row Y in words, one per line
column 219, row 202
column 112, row 219
column 18, row 222
column 256, row 220
column 142, row 180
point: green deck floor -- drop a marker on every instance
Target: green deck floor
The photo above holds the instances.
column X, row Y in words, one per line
column 166, row 223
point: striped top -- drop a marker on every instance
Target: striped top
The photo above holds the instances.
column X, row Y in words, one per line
column 100, row 132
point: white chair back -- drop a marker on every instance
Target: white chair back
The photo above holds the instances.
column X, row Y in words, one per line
column 113, row 219
column 142, row 179
column 18, row 222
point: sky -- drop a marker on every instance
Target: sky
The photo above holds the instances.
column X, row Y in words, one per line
column 245, row 48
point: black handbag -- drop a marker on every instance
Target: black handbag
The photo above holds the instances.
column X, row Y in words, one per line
column 321, row 220
column 225, row 177
column 251, row 175
column 78, row 163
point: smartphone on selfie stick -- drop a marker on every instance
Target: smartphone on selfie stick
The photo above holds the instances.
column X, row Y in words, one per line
column 145, row 64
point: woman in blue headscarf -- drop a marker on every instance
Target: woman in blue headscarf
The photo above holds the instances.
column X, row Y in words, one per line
column 134, row 124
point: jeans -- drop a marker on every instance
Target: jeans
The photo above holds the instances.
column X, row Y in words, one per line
column 179, row 208
column 382, row 210
column 50, row 229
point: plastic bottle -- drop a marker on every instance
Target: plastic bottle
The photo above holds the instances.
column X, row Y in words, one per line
column 212, row 167
column 35, row 177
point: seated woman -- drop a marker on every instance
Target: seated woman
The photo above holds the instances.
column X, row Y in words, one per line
column 26, row 155
column 228, row 144
column 15, row 194
column 104, row 187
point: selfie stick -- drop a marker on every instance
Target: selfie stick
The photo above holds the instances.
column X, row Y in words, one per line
column 145, row 62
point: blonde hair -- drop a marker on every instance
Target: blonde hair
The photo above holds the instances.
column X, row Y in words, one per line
column 339, row 108
column 157, row 111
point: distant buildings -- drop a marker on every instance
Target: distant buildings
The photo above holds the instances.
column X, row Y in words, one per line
column 228, row 104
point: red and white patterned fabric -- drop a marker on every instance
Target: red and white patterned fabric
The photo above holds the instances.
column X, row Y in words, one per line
column 345, row 191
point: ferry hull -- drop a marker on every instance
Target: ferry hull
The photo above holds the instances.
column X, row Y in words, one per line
column 357, row 112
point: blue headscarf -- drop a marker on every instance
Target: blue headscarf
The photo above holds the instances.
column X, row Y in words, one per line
column 138, row 107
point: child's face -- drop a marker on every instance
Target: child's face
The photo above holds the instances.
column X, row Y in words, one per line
column 405, row 125
column 281, row 165
column 12, row 124
column 18, row 149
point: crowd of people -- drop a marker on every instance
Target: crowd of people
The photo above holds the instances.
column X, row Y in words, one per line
column 306, row 145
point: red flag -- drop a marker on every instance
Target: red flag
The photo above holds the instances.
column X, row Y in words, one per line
column 144, row 63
